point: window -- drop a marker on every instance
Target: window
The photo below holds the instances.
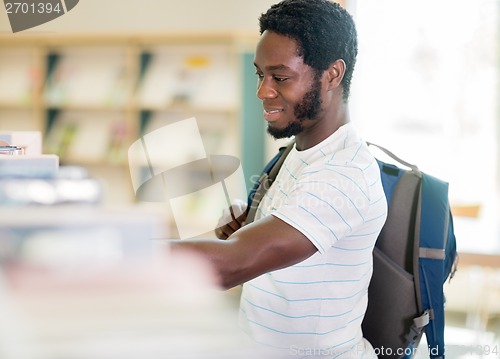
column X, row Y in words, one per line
column 426, row 86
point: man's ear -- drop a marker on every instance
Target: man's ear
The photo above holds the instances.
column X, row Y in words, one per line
column 336, row 72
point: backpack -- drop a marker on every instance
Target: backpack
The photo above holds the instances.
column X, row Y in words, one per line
column 413, row 257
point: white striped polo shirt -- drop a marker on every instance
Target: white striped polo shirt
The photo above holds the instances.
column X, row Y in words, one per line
column 332, row 193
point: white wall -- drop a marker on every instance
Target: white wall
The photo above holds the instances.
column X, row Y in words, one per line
column 91, row 16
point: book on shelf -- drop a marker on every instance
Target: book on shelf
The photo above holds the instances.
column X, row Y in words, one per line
column 18, row 76
column 89, row 137
column 82, row 77
column 190, row 77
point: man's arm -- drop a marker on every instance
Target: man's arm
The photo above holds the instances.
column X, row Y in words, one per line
column 257, row 248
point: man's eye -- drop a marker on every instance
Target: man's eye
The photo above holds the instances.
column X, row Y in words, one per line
column 280, row 79
column 259, row 75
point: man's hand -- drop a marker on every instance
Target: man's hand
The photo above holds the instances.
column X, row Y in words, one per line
column 232, row 219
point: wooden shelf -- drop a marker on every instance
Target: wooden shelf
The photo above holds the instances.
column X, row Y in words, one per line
column 63, row 97
column 16, row 105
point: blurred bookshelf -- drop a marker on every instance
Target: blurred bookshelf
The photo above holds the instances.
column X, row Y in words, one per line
column 92, row 96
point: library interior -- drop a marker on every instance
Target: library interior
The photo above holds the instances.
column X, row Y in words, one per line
column 101, row 104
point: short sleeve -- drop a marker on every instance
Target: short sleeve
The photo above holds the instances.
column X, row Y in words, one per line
column 327, row 204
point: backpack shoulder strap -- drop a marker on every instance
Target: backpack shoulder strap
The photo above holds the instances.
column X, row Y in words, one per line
column 266, row 180
column 394, row 157
column 435, row 224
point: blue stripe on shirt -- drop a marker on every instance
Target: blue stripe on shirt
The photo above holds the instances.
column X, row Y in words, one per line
column 295, row 333
column 357, row 150
column 349, row 178
column 320, row 222
column 296, row 316
column 332, row 264
column 308, row 299
column 333, row 208
column 340, row 191
column 305, row 232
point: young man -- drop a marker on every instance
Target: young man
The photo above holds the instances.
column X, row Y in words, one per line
column 306, row 261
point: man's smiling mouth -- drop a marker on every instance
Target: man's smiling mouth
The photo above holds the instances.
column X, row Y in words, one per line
column 272, row 114
column 272, row 111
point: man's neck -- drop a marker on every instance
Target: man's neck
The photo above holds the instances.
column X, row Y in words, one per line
column 324, row 128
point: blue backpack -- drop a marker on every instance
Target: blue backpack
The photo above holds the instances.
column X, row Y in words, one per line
column 414, row 255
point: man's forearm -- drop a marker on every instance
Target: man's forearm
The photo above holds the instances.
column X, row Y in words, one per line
column 226, row 262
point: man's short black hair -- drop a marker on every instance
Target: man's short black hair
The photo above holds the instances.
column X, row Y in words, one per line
column 324, row 31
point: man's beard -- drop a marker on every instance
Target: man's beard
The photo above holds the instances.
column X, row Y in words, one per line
column 308, row 108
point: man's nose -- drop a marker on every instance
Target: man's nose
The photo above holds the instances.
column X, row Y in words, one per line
column 265, row 90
